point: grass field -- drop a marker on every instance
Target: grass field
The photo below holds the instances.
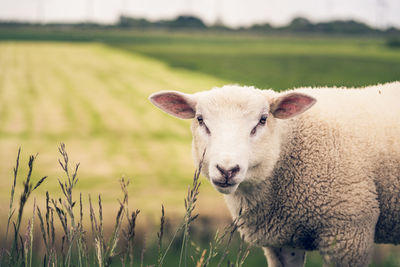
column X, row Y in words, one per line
column 93, row 97
column 280, row 62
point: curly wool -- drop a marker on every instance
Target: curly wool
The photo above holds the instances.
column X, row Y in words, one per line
column 336, row 184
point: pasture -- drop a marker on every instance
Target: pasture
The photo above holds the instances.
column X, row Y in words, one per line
column 92, row 96
column 278, row 62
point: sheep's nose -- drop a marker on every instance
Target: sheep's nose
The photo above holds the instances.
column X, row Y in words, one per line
column 228, row 173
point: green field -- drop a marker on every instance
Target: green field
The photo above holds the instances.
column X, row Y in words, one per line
column 93, row 97
column 279, row 62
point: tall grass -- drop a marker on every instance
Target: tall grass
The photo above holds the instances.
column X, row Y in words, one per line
column 69, row 244
column 20, row 252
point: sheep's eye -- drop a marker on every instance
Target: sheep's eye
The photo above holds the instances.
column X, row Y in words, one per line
column 200, row 119
column 201, row 123
column 263, row 120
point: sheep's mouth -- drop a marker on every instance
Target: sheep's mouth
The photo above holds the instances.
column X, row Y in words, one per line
column 223, row 184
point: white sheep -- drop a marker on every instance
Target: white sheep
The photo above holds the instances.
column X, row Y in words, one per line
column 327, row 179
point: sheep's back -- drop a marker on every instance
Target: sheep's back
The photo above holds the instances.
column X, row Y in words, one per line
column 365, row 124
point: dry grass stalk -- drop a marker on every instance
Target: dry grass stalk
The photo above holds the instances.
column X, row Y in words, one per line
column 17, row 249
column 64, row 210
column 11, row 210
column 190, row 204
column 230, row 231
column 201, row 260
column 224, row 241
column 48, row 234
column 129, row 231
column 105, row 251
column 160, row 235
column 243, row 253
column 110, row 251
column 129, row 235
column 28, row 241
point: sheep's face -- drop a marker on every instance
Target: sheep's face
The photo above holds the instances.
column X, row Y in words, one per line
column 229, row 125
column 234, row 130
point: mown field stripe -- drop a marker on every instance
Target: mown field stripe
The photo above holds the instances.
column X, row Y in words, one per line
column 94, row 98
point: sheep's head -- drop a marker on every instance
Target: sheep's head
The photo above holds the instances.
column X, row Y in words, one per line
column 236, row 127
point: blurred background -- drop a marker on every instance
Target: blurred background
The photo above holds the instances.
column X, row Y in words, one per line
column 80, row 72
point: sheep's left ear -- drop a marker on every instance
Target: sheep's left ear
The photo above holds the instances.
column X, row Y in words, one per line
column 290, row 105
column 175, row 103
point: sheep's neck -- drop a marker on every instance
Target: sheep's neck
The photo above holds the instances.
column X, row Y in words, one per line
column 258, row 203
column 254, row 206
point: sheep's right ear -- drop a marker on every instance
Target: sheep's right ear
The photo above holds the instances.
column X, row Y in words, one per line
column 175, row 103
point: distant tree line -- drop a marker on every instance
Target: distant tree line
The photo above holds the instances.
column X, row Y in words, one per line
column 181, row 22
column 297, row 25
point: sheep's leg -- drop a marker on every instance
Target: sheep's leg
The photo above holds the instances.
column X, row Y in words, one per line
column 350, row 248
column 284, row 257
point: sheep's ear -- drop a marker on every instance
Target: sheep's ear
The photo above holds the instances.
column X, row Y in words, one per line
column 175, row 103
column 290, row 105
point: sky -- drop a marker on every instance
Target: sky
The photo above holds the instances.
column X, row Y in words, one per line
column 234, row 13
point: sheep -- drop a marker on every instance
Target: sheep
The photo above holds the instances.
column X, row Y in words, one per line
column 309, row 168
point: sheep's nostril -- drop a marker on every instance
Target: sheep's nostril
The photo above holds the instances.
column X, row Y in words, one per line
column 230, row 173
column 221, row 170
column 235, row 170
